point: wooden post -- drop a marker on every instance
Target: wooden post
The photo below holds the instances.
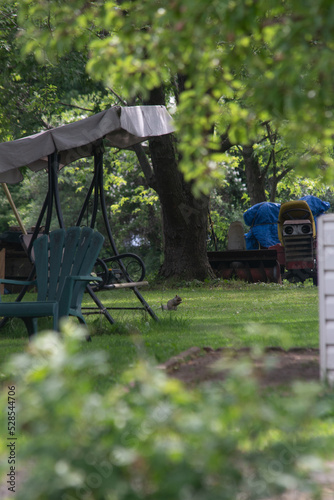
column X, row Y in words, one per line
column 12, row 204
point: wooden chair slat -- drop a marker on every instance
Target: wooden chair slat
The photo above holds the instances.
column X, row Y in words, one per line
column 41, row 265
column 56, row 248
column 69, row 256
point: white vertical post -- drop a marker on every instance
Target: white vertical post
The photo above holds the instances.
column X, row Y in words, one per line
column 325, row 262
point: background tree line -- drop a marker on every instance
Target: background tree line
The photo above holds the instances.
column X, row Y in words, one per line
column 246, row 86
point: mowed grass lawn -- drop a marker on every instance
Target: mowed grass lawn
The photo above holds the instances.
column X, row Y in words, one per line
column 233, row 314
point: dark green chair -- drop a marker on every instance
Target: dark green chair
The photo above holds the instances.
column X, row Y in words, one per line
column 64, row 260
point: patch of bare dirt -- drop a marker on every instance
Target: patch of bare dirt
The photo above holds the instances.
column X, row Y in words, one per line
column 275, row 367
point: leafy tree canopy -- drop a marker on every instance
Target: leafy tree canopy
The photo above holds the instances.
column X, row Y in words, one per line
column 241, row 65
column 34, row 96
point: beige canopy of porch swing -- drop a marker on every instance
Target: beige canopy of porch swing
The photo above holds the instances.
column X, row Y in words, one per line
column 120, row 127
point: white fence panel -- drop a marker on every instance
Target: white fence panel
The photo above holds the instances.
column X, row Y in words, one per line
column 325, row 261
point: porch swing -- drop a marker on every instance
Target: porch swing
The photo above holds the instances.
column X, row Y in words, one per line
column 120, row 127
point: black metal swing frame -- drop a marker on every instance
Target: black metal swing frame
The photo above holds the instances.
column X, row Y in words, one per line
column 120, row 127
column 95, row 190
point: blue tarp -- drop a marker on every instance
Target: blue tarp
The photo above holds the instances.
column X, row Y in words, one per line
column 316, row 205
column 263, row 218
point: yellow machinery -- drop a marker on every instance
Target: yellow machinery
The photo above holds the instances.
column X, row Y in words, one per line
column 297, row 233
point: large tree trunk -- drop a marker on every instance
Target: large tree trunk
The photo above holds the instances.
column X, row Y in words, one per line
column 254, row 179
column 184, row 218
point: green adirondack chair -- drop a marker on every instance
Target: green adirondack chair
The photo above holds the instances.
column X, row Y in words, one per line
column 64, row 260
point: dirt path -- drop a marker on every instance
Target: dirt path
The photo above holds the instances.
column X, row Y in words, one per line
column 275, row 367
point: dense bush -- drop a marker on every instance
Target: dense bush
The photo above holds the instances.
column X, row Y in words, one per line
column 149, row 437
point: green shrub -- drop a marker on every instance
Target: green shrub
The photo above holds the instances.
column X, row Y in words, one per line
column 149, row 437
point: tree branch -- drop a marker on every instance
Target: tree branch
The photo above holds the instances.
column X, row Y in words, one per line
column 225, row 143
column 284, row 173
column 45, row 124
column 266, row 168
column 75, row 106
column 121, row 100
column 145, row 165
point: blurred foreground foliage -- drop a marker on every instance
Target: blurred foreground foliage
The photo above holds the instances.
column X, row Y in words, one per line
column 149, row 436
